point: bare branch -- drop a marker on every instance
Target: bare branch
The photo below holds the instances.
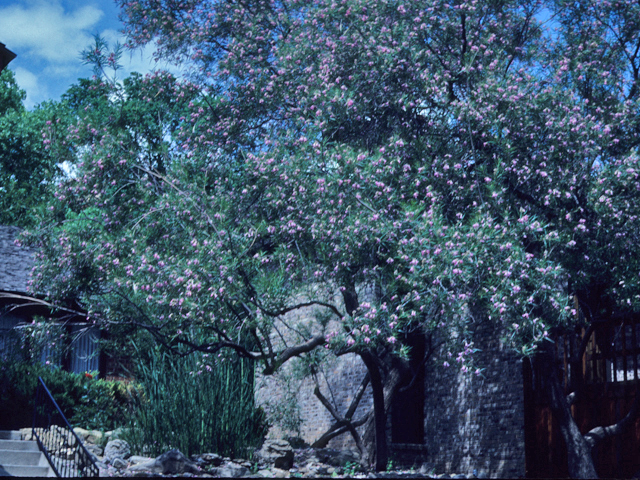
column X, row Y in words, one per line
column 282, row 311
column 356, row 400
column 338, row 429
column 327, row 404
column 33, row 301
column 295, row 351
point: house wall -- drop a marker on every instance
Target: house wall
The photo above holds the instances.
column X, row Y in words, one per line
column 9, row 342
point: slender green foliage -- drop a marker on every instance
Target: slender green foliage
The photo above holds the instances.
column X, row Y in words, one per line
column 195, row 405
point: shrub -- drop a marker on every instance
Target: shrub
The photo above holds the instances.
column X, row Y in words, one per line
column 85, row 401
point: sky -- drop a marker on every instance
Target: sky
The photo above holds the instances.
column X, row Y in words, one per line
column 48, row 36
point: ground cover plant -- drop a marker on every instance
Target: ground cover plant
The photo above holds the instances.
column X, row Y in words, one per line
column 465, row 161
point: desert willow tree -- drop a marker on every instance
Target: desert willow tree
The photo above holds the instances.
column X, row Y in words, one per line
column 451, row 157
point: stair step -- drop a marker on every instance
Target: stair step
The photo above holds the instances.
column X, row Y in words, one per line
column 18, row 457
column 23, row 445
column 10, row 435
column 25, row 471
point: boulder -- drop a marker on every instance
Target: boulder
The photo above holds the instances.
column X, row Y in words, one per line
column 336, row 458
column 172, row 462
column 94, row 449
column 119, row 463
column 117, row 449
column 230, row 470
column 135, row 459
column 89, row 436
column 277, row 452
column 278, row 473
column 208, row 459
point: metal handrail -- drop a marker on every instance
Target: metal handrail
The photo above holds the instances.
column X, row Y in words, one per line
column 61, row 446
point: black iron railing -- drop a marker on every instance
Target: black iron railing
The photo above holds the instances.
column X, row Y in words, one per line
column 57, row 440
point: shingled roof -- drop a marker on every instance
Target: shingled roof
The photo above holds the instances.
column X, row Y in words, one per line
column 15, row 262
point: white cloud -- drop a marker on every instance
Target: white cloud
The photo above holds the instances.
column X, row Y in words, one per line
column 48, row 36
column 29, row 82
column 46, row 31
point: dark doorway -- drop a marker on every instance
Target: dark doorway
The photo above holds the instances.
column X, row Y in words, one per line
column 407, row 410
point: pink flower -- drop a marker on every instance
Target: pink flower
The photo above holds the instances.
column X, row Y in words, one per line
column 391, row 339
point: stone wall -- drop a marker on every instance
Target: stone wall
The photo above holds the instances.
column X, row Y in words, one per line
column 475, row 424
column 472, row 424
column 339, row 379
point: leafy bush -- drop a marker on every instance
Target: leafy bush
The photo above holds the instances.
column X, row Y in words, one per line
column 195, row 405
column 85, row 401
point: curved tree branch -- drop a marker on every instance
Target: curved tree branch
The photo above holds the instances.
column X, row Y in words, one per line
column 597, row 434
column 294, row 351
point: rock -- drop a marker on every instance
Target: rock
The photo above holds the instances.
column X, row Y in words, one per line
column 337, row 458
column 208, row 459
column 89, row 436
column 141, row 473
column 119, row 463
column 174, row 461
column 56, row 439
column 95, row 450
column 230, row 470
column 135, row 459
column 278, row 473
column 277, row 452
column 117, row 449
column 171, row 462
column 108, row 471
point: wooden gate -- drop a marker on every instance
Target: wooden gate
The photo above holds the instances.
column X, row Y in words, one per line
column 610, row 374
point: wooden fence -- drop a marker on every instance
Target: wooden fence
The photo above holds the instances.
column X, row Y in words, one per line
column 610, row 374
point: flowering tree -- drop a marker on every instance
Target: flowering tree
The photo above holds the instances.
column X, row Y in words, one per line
column 449, row 158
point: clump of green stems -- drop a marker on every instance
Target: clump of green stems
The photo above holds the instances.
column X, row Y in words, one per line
column 195, row 405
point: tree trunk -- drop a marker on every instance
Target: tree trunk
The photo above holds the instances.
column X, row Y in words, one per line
column 390, row 383
column 579, row 455
column 379, row 412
